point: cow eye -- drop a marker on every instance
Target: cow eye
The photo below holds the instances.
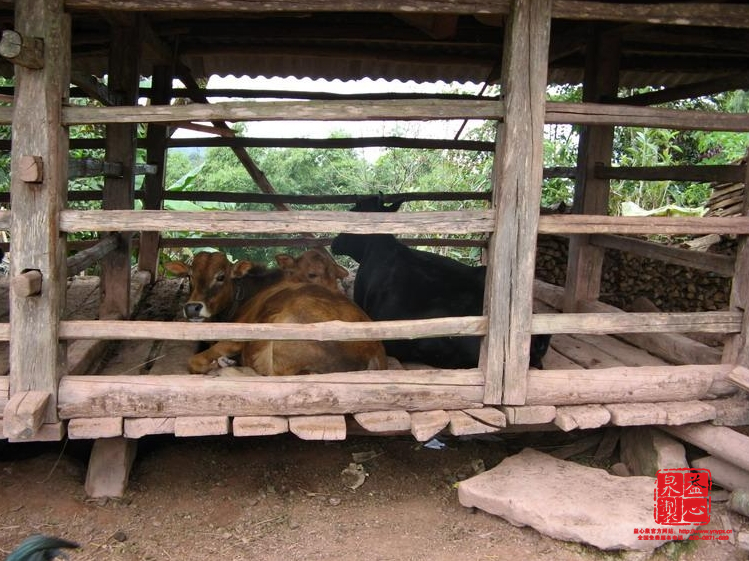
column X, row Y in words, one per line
column 220, row 277
column 312, row 275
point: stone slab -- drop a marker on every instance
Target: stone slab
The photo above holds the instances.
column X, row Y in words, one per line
column 565, row 500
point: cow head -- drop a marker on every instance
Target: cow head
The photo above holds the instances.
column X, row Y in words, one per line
column 211, row 283
column 376, row 203
column 315, row 266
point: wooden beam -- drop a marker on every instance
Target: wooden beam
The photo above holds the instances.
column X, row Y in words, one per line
column 384, row 421
column 667, row 13
column 37, row 358
column 203, row 425
column 120, row 147
column 105, row 427
column 324, row 394
column 589, row 224
column 109, row 466
column 153, row 185
column 721, row 265
column 24, row 414
column 407, row 110
column 722, row 442
column 700, row 174
column 427, row 424
column 584, row 261
column 738, row 81
column 259, row 425
column 517, row 178
column 292, row 222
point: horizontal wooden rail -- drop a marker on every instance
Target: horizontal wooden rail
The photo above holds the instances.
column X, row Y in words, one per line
column 722, row 265
column 306, row 242
column 449, row 222
column 358, row 392
column 671, row 322
column 702, row 174
column 399, row 110
column 597, row 224
column 346, row 331
column 666, row 13
column 355, row 392
column 291, row 222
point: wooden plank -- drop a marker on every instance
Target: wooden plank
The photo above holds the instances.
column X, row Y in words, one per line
column 672, row 347
column 462, row 424
column 106, row 427
column 625, row 353
column 180, row 396
column 265, row 425
column 664, row 13
column 48, row 432
column 136, row 428
column 645, row 384
column 83, row 354
column 584, row 354
column 37, row 358
column 517, row 177
column 698, row 173
column 581, row 417
column 384, row 421
column 118, row 192
column 488, row 415
column 319, row 427
column 292, row 222
column 529, row 414
column 636, row 414
column 427, row 424
column 320, row 331
column 722, row 265
column 589, row 224
column 109, row 467
column 554, row 360
column 24, row 414
column 723, row 442
column 201, row 426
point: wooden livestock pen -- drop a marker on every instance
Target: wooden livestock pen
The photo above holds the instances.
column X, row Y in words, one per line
column 657, row 376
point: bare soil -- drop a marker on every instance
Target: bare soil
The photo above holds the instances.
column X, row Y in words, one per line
column 281, row 498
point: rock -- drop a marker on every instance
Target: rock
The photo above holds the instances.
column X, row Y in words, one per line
column 646, row 450
column 566, row 501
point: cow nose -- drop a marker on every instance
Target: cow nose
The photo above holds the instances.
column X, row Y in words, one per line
column 193, row 309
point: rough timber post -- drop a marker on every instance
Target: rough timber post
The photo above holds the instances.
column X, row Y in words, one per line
column 118, row 192
column 37, row 358
column 601, row 81
column 517, row 177
column 736, row 350
column 153, row 184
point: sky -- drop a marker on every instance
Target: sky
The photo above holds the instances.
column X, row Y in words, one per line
column 318, row 129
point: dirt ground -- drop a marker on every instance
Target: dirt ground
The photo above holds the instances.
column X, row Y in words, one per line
column 281, row 498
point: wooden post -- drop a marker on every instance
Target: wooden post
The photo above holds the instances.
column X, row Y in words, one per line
column 119, row 192
column 517, row 177
column 736, row 350
column 153, row 185
column 37, row 358
column 585, row 261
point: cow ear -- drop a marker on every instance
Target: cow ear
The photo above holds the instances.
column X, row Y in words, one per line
column 240, row 269
column 285, row 261
column 177, row 268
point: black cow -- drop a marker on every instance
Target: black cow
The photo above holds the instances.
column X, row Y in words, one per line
column 395, row 282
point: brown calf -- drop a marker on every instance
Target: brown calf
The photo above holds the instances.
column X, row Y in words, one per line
column 314, row 265
column 272, row 298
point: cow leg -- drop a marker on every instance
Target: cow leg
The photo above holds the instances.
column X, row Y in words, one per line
column 204, row 362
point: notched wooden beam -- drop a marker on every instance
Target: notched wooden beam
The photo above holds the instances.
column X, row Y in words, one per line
column 24, row 414
column 21, row 50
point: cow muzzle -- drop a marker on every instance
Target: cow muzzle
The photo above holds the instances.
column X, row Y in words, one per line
column 196, row 311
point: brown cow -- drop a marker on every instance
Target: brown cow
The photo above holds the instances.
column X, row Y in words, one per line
column 272, row 298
